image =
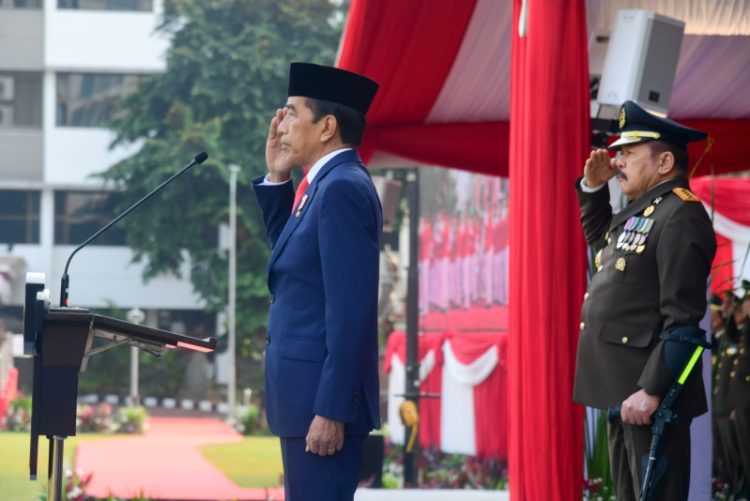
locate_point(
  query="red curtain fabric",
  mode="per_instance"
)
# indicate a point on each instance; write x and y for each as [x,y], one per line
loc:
[729,152]
[395,43]
[729,197]
[549,137]
[490,396]
[390,40]
[477,147]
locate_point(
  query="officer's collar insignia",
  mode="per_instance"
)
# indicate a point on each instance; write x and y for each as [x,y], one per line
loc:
[622,117]
[657,200]
[685,195]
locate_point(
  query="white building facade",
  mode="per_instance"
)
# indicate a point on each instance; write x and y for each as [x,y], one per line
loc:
[62,64]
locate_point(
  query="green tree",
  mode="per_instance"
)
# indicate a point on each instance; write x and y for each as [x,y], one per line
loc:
[226,74]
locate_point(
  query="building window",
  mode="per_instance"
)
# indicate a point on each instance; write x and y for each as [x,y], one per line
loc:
[88,99]
[80,214]
[131,5]
[19,217]
[20,99]
[21,4]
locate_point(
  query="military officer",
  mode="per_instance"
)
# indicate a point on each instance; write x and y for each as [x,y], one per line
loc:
[725,439]
[640,315]
[739,394]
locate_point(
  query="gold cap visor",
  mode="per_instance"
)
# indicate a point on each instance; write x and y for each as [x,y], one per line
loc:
[634,137]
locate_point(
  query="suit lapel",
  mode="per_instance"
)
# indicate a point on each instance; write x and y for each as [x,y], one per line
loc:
[638,205]
[294,220]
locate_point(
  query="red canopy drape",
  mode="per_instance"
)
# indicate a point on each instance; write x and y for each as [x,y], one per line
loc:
[549,94]
[410,48]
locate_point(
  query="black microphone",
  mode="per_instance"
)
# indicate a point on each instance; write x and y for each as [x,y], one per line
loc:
[65,281]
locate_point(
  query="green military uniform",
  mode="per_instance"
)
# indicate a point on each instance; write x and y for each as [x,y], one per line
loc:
[739,399]
[725,438]
[652,267]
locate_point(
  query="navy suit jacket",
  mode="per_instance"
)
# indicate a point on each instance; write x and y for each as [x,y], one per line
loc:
[322,352]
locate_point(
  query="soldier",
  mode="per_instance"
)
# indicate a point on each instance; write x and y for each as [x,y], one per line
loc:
[725,443]
[640,315]
[739,394]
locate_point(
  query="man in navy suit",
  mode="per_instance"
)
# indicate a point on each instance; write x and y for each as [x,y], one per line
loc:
[322,391]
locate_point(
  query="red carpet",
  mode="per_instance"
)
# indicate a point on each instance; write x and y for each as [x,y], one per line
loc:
[165,463]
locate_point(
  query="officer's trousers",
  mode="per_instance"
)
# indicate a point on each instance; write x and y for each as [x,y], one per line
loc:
[628,444]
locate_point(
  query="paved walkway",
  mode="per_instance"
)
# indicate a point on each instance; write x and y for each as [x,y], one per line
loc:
[165,463]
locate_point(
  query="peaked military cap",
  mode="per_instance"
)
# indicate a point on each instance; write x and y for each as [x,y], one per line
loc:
[639,126]
[332,84]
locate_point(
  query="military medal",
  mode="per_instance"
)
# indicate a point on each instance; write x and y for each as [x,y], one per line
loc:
[649,210]
[635,232]
[620,264]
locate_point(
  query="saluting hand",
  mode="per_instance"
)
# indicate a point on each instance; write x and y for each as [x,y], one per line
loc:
[325,436]
[639,407]
[277,160]
[599,168]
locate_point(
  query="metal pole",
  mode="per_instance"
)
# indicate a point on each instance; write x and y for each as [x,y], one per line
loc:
[231,307]
[412,324]
[135,316]
[135,399]
[55,478]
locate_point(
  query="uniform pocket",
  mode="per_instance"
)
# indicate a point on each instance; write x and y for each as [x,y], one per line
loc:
[624,334]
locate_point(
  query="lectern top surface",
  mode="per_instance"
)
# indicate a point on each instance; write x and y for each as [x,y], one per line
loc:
[134,331]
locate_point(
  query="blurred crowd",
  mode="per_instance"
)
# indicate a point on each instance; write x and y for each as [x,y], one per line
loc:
[731,391]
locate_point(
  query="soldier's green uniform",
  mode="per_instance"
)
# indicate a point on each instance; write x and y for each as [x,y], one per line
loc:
[725,437]
[652,267]
[726,455]
[739,399]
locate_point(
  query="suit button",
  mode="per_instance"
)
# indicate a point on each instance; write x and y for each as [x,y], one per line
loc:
[742,351]
[272,298]
[732,374]
[736,361]
[585,296]
[747,378]
[268,340]
[624,339]
[583,325]
[600,268]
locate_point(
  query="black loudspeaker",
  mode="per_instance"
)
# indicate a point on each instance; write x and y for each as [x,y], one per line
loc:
[641,60]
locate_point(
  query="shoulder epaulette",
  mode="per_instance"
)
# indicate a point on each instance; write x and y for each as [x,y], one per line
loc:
[686,195]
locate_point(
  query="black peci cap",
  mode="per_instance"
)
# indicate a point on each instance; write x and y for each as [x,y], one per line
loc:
[332,84]
[639,126]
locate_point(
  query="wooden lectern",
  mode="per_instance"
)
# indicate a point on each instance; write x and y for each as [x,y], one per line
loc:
[61,340]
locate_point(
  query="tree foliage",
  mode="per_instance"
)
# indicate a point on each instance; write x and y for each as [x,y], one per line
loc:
[226,73]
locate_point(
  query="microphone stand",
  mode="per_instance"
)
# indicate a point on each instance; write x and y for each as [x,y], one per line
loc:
[65,280]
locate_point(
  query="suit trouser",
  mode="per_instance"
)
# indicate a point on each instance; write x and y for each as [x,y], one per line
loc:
[628,444]
[309,477]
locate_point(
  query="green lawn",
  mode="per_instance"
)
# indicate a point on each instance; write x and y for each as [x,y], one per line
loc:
[14,464]
[254,462]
